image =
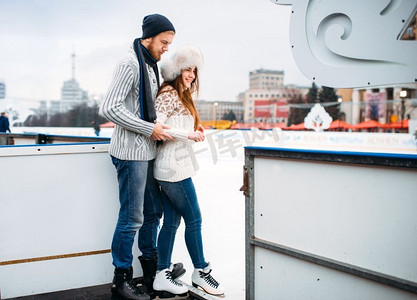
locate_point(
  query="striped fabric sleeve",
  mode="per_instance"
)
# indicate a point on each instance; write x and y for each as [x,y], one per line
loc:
[114,107]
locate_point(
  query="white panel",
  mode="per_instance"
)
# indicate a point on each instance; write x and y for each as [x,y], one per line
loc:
[54,275]
[60,200]
[57,199]
[361,215]
[282,277]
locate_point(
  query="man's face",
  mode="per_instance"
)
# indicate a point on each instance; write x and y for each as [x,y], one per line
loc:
[159,44]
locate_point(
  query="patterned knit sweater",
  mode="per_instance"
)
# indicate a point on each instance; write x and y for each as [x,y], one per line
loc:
[174,161]
[131,136]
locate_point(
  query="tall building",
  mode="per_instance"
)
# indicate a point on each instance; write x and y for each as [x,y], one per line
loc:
[265,79]
[267,96]
[71,92]
[2,90]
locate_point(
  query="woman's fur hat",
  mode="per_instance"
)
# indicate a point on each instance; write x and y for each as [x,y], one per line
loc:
[183,58]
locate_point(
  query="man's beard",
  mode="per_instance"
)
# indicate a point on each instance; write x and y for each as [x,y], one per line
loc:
[154,53]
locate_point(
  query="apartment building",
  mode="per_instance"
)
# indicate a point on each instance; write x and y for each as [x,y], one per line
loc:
[267,96]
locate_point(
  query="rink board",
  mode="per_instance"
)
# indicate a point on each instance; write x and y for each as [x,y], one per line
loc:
[57,218]
[330,225]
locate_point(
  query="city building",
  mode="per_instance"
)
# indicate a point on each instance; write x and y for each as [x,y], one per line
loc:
[265,79]
[2,90]
[385,104]
[218,110]
[43,107]
[267,96]
[71,93]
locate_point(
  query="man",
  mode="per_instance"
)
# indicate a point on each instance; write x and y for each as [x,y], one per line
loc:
[129,104]
[4,123]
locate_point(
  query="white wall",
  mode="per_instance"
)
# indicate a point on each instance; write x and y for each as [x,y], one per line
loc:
[56,200]
[343,212]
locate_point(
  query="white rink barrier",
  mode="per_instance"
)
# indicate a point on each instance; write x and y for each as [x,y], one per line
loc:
[330,224]
[57,217]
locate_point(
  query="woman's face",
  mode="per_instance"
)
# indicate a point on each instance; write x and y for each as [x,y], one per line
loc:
[188,76]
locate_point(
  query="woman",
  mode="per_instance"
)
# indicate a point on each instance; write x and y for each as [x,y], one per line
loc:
[173,170]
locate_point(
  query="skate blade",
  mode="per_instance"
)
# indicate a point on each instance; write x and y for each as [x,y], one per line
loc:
[211,296]
[200,293]
[163,295]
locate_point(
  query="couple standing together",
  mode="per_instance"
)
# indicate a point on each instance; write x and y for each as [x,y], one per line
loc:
[151,150]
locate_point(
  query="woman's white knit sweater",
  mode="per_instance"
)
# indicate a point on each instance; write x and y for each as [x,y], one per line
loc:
[175,159]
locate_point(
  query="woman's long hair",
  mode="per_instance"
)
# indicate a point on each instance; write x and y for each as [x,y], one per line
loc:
[186,95]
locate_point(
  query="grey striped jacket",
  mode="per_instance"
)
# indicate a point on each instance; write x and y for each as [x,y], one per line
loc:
[131,137]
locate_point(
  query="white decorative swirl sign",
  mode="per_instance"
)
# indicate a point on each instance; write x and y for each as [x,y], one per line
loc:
[317,119]
[354,43]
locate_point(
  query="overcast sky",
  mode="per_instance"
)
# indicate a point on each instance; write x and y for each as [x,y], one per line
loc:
[235,36]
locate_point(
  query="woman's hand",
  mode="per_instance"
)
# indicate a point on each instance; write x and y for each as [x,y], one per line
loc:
[196,136]
[200,128]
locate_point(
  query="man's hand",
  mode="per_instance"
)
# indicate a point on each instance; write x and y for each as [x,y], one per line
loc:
[159,133]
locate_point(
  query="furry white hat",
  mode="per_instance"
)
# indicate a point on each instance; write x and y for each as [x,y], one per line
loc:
[183,58]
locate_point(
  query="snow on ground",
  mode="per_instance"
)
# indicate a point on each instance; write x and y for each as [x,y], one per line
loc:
[223,208]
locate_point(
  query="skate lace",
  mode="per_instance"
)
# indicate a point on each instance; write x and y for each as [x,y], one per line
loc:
[168,275]
[131,286]
[209,279]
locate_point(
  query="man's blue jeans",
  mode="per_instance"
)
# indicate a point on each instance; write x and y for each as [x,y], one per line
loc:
[138,195]
[180,200]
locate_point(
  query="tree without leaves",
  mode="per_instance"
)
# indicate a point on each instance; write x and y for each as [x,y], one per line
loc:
[79,116]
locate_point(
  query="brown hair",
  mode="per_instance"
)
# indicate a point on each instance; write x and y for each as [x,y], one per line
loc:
[185,95]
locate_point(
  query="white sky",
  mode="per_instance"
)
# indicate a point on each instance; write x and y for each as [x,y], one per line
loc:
[235,36]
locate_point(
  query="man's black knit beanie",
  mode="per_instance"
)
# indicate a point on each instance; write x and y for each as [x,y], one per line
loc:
[153,25]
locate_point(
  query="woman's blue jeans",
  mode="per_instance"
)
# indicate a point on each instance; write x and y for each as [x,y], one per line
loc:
[180,200]
[140,207]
